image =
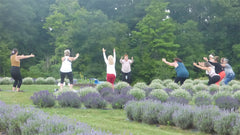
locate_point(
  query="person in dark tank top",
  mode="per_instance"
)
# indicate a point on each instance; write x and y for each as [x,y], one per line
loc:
[181,70]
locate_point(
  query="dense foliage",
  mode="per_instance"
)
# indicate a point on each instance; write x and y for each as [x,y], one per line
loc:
[147,30]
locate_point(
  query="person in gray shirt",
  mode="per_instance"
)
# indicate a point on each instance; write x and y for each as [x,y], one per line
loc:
[230,75]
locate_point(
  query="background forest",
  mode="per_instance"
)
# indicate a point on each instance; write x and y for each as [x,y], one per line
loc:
[148,30]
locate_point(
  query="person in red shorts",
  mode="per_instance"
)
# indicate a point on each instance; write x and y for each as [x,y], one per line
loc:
[110,62]
[218,67]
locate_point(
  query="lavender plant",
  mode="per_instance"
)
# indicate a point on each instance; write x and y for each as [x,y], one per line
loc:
[200,97]
[165,115]
[50,80]
[227,102]
[172,85]
[119,101]
[28,80]
[204,118]
[167,81]
[137,93]
[183,117]
[69,99]
[103,85]
[159,81]
[181,93]
[94,100]
[140,85]
[180,100]
[40,80]
[43,99]
[120,85]
[6,81]
[84,91]
[236,95]
[156,86]
[159,94]
[150,112]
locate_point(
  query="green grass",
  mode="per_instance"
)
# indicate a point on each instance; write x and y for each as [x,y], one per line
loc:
[114,121]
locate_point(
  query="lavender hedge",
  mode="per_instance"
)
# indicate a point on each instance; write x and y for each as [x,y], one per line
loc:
[69,99]
[43,99]
[30,121]
[209,119]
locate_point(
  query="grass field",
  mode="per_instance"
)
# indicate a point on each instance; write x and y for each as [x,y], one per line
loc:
[114,121]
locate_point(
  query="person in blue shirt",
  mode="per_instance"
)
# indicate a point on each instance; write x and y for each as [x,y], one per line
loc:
[181,70]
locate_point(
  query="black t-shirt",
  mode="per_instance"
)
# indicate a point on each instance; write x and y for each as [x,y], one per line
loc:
[218,67]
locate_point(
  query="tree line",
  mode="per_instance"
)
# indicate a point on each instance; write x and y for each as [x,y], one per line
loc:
[148,30]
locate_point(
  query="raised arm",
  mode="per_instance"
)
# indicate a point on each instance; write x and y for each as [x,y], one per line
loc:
[74,58]
[104,56]
[198,66]
[169,63]
[132,60]
[25,56]
[121,60]
[114,56]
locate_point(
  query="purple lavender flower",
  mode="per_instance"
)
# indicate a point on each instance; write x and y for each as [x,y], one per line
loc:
[227,102]
[94,100]
[69,99]
[43,99]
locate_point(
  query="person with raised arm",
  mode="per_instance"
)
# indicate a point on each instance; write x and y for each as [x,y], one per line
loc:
[66,68]
[218,67]
[213,76]
[126,68]
[15,68]
[181,70]
[110,62]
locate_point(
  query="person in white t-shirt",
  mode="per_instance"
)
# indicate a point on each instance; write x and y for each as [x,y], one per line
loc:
[126,68]
[66,68]
[110,62]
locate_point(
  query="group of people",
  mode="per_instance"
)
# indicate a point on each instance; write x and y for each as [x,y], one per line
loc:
[216,71]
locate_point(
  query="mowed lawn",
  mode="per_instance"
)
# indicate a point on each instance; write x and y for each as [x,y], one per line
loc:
[114,121]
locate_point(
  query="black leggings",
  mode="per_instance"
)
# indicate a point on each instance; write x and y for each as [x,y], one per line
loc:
[180,79]
[16,75]
[213,79]
[126,77]
[69,75]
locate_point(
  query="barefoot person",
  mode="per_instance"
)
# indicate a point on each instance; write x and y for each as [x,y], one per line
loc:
[15,68]
[230,75]
[218,67]
[110,62]
[126,68]
[213,76]
[182,72]
[66,68]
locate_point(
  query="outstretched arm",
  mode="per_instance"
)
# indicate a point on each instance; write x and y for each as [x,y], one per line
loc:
[25,56]
[121,59]
[74,58]
[104,55]
[198,66]
[132,60]
[169,63]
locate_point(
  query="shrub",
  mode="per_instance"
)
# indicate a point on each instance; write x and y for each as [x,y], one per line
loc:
[224,123]
[69,99]
[235,87]
[104,92]
[187,86]
[40,80]
[225,88]
[137,93]
[201,95]
[168,90]
[200,87]
[140,85]
[120,85]
[50,80]
[221,94]
[103,85]
[6,81]
[119,101]
[180,100]
[147,91]
[190,81]
[84,91]
[28,80]
[43,99]
[181,93]
[196,82]
[204,118]
[156,86]
[165,115]
[157,81]
[213,89]
[236,127]
[167,81]
[129,109]
[159,94]
[124,91]
[236,95]
[231,83]
[199,101]
[183,117]
[150,112]
[172,86]
[94,100]
[227,102]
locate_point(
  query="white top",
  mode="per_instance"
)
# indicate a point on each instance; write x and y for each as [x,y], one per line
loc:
[66,65]
[126,65]
[110,68]
[212,72]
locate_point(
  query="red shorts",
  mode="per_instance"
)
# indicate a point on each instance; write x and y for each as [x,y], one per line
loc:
[222,75]
[111,78]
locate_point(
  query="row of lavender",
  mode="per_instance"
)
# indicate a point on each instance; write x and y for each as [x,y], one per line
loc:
[17,120]
[193,92]
[208,119]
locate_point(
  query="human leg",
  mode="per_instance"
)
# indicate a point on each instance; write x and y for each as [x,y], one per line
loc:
[177,79]
[70,77]
[182,80]
[111,78]
[222,75]
[62,75]
[14,74]
[213,79]
[228,78]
